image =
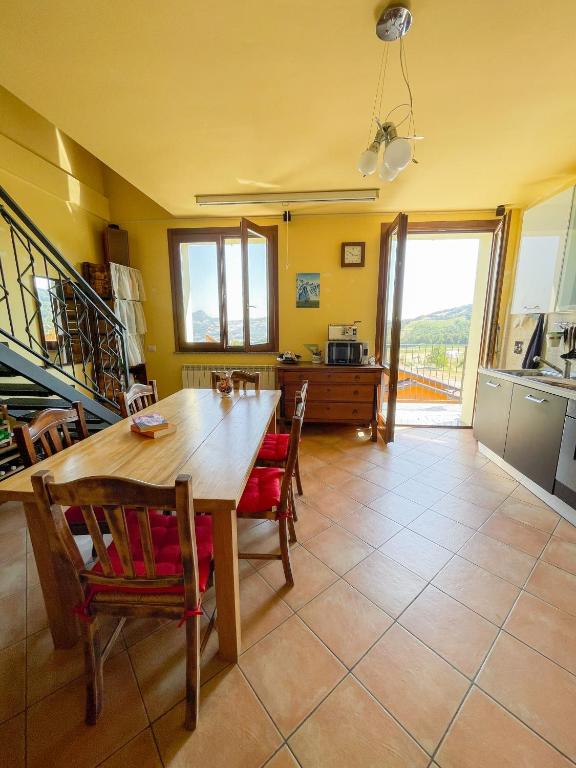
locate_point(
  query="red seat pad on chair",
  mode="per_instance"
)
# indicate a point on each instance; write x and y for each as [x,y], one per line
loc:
[262,491]
[74,515]
[274,447]
[167,557]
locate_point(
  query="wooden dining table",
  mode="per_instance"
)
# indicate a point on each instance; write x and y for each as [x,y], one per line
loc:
[216,441]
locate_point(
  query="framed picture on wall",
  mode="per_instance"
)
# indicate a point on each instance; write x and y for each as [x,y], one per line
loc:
[308,290]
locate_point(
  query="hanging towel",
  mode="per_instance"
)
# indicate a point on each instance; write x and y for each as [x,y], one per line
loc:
[534,345]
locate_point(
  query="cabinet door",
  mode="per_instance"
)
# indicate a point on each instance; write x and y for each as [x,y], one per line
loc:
[535,433]
[542,243]
[493,399]
[567,292]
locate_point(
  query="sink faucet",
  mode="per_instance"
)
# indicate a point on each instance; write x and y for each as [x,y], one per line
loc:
[567,365]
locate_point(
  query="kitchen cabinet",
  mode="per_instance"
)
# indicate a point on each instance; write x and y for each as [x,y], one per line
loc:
[493,398]
[541,255]
[567,292]
[534,434]
[346,394]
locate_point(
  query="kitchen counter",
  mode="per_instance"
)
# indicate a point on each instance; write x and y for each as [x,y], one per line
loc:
[533,379]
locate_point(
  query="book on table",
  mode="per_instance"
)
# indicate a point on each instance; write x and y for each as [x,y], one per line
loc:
[149,422]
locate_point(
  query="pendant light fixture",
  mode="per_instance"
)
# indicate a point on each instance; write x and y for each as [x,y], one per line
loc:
[393,24]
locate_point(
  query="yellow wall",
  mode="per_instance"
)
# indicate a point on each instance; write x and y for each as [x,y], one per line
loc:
[312,245]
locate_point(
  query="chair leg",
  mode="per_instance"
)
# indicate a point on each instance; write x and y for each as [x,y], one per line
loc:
[285,551]
[93,671]
[292,531]
[192,672]
[293,504]
[298,480]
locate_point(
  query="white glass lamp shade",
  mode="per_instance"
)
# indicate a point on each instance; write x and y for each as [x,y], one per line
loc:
[387,173]
[398,154]
[368,162]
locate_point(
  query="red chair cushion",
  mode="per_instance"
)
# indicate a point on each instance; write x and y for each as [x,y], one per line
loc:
[74,515]
[274,447]
[262,491]
[167,556]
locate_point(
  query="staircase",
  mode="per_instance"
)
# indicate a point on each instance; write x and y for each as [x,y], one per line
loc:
[59,341]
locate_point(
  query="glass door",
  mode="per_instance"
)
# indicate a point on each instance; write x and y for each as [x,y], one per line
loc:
[389,313]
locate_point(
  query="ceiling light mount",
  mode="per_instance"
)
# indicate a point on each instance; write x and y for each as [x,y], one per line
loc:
[394,23]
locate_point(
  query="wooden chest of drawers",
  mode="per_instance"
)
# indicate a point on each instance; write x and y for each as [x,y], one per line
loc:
[335,394]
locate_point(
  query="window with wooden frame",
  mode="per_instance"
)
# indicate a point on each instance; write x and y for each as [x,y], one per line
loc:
[225,288]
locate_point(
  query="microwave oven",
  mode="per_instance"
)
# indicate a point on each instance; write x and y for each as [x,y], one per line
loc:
[346,353]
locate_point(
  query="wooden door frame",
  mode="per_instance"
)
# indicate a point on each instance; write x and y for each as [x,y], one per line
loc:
[490,326]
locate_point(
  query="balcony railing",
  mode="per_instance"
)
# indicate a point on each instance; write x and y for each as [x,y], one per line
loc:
[431,372]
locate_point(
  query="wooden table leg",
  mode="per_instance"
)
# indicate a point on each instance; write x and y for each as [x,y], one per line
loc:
[227,583]
[55,585]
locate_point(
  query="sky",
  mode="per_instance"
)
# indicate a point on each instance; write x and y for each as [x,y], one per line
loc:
[438,274]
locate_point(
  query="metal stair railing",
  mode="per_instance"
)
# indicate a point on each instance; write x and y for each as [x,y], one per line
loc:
[49,310]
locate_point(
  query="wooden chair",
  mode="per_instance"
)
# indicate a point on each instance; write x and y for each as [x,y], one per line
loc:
[156,566]
[139,396]
[274,449]
[244,377]
[268,496]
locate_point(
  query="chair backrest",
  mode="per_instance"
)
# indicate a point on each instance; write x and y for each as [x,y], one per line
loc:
[127,505]
[293,446]
[139,396]
[301,396]
[49,432]
[244,377]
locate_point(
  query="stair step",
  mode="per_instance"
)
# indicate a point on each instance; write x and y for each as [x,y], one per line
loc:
[22,388]
[37,403]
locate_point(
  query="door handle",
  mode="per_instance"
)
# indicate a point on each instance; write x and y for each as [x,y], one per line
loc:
[535,399]
[492,384]
[531,306]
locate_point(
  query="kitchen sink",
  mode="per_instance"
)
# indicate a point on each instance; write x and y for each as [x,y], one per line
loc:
[557,382]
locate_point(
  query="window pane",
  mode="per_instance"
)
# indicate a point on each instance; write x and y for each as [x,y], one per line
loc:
[258,289]
[234,292]
[200,295]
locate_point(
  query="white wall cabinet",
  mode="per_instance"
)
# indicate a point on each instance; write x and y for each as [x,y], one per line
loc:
[541,256]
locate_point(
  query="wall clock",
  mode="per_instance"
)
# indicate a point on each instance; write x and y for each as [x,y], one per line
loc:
[353,254]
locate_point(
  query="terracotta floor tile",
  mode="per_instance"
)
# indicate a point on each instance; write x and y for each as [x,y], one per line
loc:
[471,459]
[386,583]
[384,477]
[498,558]
[419,688]
[328,453]
[310,485]
[484,735]
[310,463]
[282,759]
[66,739]
[397,508]
[349,729]
[310,522]
[356,465]
[12,575]
[259,538]
[561,553]
[477,494]
[437,479]
[261,609]
[339,607]
[538,517]
[12,680]
[159,663]
[141,752]
[137,629]
[370,526]
[230,717]
[544,628]
[459,635]
[480,590]
[420,458]
[333,503]
[399,465]
[311,577]
[565,530]
[462,511]
[12,545]
[504,485]
[333,475]
[32,577]
[420,493]
[442,530]
[519,535]
[525,495]
[291,672]
[36,617]
[554,586]
[338,549]
[420,555]
[13,741]
[451,467]
[12,517]
[537,691]
[362,490]
[13,618]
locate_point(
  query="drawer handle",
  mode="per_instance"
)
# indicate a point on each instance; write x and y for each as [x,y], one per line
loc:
[493,384]
[531,306]
[533,399]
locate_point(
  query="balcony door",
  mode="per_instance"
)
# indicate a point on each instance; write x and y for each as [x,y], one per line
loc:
[389,314]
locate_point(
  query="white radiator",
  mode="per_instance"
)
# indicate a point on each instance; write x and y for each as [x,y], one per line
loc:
[198,376]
